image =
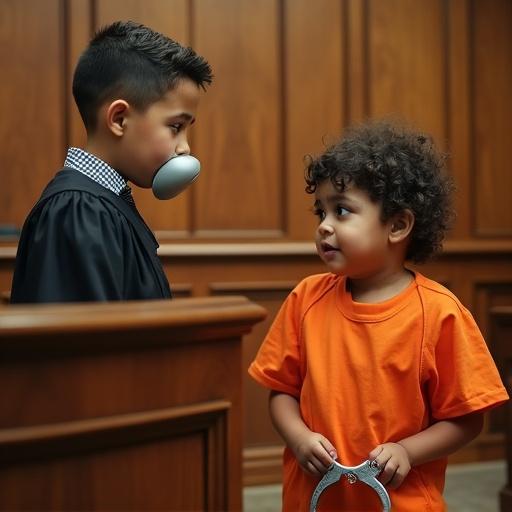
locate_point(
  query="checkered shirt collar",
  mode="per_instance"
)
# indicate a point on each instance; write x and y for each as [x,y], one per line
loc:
[96,169]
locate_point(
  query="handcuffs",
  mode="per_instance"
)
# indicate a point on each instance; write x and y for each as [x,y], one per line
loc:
[366,472]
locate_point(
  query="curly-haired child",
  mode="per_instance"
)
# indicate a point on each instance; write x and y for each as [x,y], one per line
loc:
[372,360]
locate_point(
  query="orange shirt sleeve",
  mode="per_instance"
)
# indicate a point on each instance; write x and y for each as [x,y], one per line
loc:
[459,371]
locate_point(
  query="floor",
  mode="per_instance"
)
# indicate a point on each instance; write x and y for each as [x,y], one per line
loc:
[469,488]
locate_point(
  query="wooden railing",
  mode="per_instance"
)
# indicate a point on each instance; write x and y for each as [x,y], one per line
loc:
[501,338]
[123,406]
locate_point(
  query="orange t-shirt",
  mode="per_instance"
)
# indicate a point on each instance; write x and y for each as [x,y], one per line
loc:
[366,374]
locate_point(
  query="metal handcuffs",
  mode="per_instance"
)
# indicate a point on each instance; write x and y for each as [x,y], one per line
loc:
[366,472]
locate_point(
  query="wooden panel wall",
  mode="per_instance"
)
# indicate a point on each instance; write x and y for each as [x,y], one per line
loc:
[289,76]
[501,333]
[32,102]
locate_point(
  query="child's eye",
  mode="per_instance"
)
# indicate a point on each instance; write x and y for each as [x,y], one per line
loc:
[340,211]
[319,213]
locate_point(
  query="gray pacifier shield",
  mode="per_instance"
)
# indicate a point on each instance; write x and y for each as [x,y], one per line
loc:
[175,176]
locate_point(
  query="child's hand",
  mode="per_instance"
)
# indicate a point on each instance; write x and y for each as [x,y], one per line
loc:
[394,461]
[314,453]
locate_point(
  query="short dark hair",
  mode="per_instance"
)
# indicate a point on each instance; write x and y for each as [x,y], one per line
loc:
[131,61]
[400,169]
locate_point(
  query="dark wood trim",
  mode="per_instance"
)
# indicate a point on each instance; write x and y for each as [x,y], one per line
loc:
[69,438]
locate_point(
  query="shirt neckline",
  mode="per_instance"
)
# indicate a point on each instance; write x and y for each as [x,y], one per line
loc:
[372,312]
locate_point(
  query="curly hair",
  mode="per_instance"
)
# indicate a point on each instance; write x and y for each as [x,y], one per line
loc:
[399,169]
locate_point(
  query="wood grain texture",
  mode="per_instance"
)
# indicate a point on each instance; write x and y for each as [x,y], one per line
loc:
[240,139]
[314,65]
[490,79]
[406,59]
[31,102]
[140,414]
[289,76]
[501,333]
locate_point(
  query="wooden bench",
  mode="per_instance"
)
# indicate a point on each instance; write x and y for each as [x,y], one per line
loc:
[123,406]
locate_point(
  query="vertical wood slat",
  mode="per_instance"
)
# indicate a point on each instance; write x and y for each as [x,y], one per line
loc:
[492,79]
[459,112]
[239,138]
[357,55]
[407,54]
[79,26]
[31,102]
[170,17]
[314,92]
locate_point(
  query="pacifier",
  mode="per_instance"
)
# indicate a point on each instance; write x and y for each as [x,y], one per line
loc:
[175,175]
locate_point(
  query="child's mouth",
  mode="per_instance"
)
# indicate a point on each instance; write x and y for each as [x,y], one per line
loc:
[329,251]
[328,248]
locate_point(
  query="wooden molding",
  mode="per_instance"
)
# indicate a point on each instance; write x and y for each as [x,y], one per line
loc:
[263,465]
[67,438]
[291,248]
[244,287]
[21,326]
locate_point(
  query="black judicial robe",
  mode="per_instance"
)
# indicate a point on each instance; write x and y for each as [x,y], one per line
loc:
[82,242]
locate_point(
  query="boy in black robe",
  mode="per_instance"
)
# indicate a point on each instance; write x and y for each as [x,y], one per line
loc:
[137,92]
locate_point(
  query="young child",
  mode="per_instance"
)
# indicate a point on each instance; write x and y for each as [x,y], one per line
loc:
[371,360]
[137,92]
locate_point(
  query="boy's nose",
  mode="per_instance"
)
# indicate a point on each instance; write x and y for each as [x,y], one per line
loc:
[183,148]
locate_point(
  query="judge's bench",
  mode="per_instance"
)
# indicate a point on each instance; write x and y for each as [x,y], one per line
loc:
[123,406]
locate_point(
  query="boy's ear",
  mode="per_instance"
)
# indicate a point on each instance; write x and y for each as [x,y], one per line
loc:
[401,226]
[116,115]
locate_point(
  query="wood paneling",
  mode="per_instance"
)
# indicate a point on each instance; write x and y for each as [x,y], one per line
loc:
[407,63]
[171,17]
[90,460]
[355,37]
[79,29]
[32,102]
[289,76]
[240,140]
[491,79]
[459,112]
[314,69]
[488,295]
[501,334]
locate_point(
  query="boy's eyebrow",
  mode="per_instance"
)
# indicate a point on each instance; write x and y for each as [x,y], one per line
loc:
[186,116]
